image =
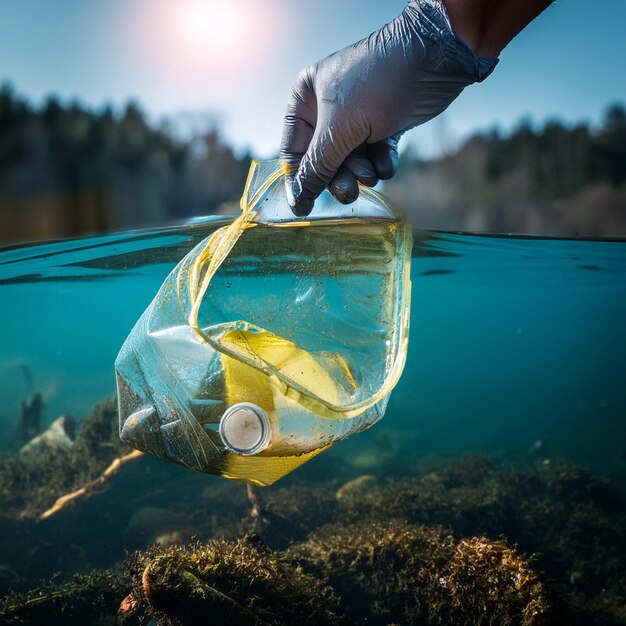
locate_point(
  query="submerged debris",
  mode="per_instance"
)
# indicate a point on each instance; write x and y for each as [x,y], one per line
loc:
[60,434]
[356,486]
[31,413]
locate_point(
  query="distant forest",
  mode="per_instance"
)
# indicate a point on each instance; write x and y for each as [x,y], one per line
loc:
[554,179]
[67,170]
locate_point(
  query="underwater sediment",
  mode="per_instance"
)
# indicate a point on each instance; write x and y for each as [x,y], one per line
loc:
[466,542]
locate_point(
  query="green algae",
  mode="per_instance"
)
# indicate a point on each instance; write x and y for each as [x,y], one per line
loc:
[467,542]
[221,580]
[80,601]
[379,573]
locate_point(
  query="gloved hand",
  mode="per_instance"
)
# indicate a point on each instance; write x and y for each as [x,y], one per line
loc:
[346,113]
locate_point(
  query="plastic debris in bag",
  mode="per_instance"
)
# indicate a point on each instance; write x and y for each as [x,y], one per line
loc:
[273,338]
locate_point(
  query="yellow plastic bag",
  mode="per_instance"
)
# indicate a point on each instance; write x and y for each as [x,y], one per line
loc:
[273,338]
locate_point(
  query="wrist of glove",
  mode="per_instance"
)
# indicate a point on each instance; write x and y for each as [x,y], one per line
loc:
[346,113]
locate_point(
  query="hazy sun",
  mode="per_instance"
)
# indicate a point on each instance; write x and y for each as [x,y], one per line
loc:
[213,25]
[194,40]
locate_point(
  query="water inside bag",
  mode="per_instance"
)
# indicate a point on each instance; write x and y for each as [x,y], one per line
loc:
[272,339]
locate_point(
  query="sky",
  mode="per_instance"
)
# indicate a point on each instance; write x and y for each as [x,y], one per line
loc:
[232,62]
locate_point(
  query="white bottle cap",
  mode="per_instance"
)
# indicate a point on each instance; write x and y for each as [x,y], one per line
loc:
[245,429]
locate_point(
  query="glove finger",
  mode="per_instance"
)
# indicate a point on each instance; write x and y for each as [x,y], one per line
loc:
[344,185]
[325,155]
[297,135]
[298,125]
[362,169]
[384,156]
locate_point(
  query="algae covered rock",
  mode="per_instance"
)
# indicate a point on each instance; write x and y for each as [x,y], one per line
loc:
[228,582]
[380,573]
[383,573]
[486,582]
[395,572]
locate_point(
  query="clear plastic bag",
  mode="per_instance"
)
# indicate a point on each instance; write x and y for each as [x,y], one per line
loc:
[273,338]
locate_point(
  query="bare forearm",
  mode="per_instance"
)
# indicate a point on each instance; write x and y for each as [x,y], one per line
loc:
[487,26]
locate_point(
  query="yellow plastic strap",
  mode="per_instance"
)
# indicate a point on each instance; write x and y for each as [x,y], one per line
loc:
[219,245]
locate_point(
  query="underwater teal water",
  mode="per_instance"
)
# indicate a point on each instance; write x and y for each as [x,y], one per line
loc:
[517,345]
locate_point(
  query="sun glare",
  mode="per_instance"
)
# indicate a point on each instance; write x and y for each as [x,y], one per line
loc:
[193,53]
[212,25]
[197,41]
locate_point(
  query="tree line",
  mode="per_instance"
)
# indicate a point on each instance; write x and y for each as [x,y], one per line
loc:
[66,170]
[551,179]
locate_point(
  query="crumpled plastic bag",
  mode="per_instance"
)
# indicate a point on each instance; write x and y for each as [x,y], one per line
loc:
[273,338]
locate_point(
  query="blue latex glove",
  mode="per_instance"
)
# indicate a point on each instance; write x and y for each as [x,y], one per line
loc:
[346,113]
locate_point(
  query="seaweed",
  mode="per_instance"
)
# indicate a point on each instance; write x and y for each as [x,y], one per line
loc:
[30,485]
[394,572]
[489,583]
[383,573]
[239,582]
[572,520]
[378,573]
[80,601]
[466,542]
